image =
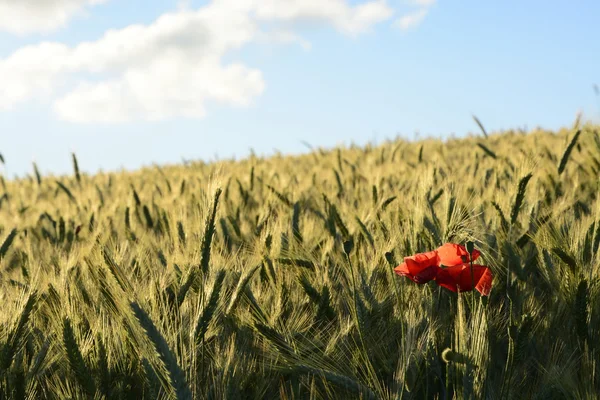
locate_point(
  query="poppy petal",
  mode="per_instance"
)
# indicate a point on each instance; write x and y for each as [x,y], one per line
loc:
[426,275]
[402,269]
[485,282]
[448,277]
[420,268]
[458,278]
[429,257]
[451,254]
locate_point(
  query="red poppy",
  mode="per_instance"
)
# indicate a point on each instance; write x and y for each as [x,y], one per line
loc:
[458,278]
[452,254]
[420,268]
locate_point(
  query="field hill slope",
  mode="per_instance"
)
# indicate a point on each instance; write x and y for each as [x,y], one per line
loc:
[274,277]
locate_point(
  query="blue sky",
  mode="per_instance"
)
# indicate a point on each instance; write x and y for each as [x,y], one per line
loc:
[216,78]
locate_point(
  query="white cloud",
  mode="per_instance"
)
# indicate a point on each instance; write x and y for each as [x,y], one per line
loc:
[174,66]
[31,70]
[347,19]
[284,37]
[412,19]
[423,3]
[415,17]
[28,16]
[166,88]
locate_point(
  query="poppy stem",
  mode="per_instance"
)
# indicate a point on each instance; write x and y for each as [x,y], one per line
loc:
[471,249]
[472,276]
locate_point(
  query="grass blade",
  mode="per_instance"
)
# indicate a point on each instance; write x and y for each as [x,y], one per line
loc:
[76,362]
[487,151]
[7,243]
[67,191]
[17,335]
[209,231]
[519,198]
[480,125]
[176,374]
[210,308]
[76,169]
[565,157]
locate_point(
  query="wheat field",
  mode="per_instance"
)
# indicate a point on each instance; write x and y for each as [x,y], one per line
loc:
[273,278]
